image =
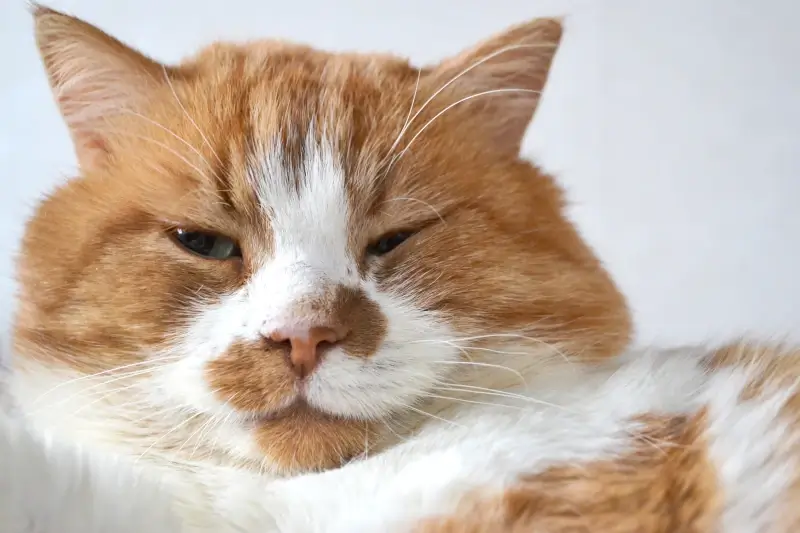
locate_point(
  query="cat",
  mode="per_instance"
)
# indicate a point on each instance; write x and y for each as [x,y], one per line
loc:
[311,292]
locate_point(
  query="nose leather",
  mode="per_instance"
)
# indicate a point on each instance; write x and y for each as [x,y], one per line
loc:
[306,352]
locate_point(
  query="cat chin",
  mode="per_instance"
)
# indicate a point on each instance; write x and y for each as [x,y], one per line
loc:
[297,408]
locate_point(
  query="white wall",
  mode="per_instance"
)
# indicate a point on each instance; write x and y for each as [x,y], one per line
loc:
[674,124]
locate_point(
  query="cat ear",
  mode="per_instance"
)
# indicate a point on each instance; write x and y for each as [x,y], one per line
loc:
[498,83]
[93,76]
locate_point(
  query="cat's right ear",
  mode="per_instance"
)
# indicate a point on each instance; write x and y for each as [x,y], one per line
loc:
[93,76]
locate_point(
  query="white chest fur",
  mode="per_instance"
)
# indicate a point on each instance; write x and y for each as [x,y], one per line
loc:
[570,416]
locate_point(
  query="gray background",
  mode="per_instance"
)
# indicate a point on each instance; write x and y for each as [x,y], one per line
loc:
[674,125]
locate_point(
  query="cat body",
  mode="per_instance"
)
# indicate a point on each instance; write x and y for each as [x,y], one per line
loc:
[706,427]
[309,292]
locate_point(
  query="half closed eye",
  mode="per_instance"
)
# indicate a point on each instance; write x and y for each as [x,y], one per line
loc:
[208,245]
[388,242]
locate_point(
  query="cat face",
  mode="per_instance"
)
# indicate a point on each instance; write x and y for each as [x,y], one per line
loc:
[300,245]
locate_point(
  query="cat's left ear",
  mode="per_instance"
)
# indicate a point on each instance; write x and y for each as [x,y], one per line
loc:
[93,77]
[498,83]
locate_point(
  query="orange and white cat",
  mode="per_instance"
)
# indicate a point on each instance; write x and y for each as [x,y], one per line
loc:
[298,291]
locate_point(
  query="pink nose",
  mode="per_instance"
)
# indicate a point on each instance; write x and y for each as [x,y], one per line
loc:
[305,351]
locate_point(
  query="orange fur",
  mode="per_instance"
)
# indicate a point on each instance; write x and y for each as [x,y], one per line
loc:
[666,484]
[102,281]
[773,368]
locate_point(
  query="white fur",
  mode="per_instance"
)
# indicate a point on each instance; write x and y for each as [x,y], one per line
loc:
[748,447]
[572,414]
[54,488]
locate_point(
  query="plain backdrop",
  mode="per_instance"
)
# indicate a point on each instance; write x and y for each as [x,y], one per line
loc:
[674,125]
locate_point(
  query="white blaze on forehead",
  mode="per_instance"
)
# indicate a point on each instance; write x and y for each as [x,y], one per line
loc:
[308,212]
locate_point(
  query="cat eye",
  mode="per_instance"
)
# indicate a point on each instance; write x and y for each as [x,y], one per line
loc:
[206,244]
[388,242]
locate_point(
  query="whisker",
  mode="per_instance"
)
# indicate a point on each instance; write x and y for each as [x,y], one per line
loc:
[475,402]
[484,390]
[188,116]
[420,411]
[167,130]
[168,149]
[500,394]
[486,365]
[366,440]
[81,392]
[162,437]
[492,350]
[118,408]
[211,424]
[462,73]
[219,422]
[224,421]
[478,337]
[103,397]
[408,116]
[421,202]
[449,107]
[195,432]
[90,376]
[151,415]
[162,145]
[550,346]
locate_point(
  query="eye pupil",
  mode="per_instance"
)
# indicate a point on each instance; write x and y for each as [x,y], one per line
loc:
[207,244]
[198,242]
[387,243]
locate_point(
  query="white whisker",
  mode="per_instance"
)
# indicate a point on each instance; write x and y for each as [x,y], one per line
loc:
[101,398]
[501,394]
[115,379]
[486,365]
[459,75]
[168,149]
[188,116]
[101,373]
[169,131]
[409,199]
[162,437]
[420,411]
[218,422]
[200,428]
[224,421]
[475,402]
[449,107]
[408,116]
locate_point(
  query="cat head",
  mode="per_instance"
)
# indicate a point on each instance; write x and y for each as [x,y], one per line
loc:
[297,245]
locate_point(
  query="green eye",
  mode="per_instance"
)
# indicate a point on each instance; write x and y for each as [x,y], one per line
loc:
[388,242]
[207,244]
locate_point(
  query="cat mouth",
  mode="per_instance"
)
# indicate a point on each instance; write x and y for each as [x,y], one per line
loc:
[298,408]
